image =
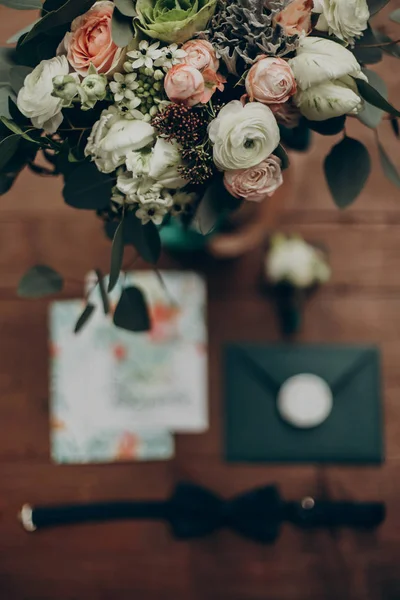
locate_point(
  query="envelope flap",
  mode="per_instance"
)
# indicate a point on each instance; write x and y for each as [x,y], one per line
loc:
[335,364]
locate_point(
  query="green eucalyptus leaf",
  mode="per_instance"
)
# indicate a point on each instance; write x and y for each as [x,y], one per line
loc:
[216,203]
[388,167]
[395,15]
[131,312]
[281,153]
[103,292]
[17,76]
[17,129]
[22,4]
[347,169]
[371,116]
[40,281]
[86,188]
[62,16]
[8,147]
[84,317]
[329,127]
[376,5]
[117,256]
[371,95]
[14,38]
[122,30]
[144,238]
[395,126]
[5,94]
[389,46]
[365,49]
[126,7]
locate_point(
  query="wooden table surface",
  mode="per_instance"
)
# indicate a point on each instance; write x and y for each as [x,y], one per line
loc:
[122,561]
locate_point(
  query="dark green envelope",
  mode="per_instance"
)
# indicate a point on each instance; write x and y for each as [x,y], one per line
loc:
[254,430]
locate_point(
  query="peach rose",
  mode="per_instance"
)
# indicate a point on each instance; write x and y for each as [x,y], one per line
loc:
[213,81]
[255,183]
[90,41]
[201,55]
[270,81]
[296,17]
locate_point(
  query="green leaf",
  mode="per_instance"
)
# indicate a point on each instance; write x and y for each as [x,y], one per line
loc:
[376,5]
[84,317]
[393,49]
[395,15]
[8,147]
[347,169]
[17,76]
[365,49]
[122,30]
[214,206]
[17,129]
[126,7]
[395,126]
[329,127]
[62,16]
[372,96]
[14,38]
[144,238]
[117,256]
[131,312]
[103,292]
[40,281]
[388,167]
[22,4]
[88,189]
[281,153]
[371,116]
[5,94]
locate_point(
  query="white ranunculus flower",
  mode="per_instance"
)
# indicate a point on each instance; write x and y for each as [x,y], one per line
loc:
[164,163]
[329,99]
[294,261]
[243,136]
[138,163]
[35,99]
[318,60]
[113,137]
[346,19]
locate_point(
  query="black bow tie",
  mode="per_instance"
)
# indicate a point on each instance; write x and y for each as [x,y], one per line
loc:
[194,511]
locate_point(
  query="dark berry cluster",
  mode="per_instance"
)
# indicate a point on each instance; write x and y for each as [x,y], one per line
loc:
[188,126]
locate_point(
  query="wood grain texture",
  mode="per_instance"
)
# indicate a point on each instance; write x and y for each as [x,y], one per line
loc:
[140,560]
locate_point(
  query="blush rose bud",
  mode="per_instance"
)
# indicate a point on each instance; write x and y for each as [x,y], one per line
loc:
[270,81]
[256,183]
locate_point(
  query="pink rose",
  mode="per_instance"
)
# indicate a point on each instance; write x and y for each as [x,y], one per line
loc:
[255,183]
[296,17]
[184,85]
[90,41]
[201,55]
[270,81]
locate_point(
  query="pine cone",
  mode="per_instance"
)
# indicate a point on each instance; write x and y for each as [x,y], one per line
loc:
[244,29]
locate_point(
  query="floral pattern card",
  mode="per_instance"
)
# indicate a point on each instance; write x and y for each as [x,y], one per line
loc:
[118,395]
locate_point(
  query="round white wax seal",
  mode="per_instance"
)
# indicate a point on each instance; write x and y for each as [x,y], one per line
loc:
[305,400]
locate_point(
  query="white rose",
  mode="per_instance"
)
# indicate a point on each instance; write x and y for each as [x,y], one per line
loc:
[294,261]
[318,60]
[346,19]
[330,99]
[164,163]
[113,137]
[243,136]
[35,99]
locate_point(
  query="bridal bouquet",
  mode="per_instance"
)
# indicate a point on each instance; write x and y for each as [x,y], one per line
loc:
[154,110]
